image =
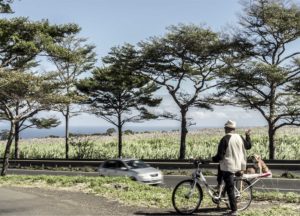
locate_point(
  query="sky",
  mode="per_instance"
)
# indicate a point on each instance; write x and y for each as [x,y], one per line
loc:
[108,23]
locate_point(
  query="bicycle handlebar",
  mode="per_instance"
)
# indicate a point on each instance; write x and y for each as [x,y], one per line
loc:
[198,161]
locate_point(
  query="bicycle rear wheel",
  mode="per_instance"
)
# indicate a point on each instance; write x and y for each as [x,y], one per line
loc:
[243,193]
[187,197]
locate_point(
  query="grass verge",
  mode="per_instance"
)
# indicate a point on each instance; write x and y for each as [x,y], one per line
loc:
[129,192]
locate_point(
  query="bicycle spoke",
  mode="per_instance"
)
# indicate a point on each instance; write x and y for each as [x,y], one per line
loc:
[243,194]
[186,197]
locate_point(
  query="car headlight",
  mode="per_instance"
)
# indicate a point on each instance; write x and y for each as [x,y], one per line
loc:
[143,175]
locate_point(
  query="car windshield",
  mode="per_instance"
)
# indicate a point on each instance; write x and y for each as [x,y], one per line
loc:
[137,164]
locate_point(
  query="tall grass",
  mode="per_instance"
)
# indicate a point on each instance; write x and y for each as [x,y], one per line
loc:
[163,145]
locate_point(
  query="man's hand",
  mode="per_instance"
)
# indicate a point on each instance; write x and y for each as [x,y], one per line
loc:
[248,132]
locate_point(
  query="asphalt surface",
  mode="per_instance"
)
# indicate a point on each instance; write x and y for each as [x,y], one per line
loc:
[267,184]
[42,202]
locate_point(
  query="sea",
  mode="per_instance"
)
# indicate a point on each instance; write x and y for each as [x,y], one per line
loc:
[60,131]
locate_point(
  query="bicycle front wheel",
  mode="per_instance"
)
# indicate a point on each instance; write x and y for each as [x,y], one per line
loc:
[187,197]
[243,193]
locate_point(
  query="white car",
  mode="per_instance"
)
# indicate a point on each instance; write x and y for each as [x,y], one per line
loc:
[135,169]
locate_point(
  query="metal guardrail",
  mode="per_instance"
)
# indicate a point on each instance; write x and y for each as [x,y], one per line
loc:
[162,164]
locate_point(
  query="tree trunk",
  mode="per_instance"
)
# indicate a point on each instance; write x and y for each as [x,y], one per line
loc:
[183,134]
[119,137]
[67,134]
[7,149]
[17,138]
[120,142]
[271,142]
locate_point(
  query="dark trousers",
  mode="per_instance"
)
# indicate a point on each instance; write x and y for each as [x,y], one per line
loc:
[228,178]
[219,175]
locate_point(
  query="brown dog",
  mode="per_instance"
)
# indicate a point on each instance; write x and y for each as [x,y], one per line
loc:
[259,164]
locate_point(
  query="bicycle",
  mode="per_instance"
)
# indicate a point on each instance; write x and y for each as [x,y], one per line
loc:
[188,194]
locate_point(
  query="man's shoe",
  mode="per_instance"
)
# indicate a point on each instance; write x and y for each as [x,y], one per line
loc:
[233,213]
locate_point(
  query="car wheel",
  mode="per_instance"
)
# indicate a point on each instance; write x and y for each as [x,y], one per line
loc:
[133,178]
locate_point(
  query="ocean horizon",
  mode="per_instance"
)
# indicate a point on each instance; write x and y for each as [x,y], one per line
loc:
[60,131]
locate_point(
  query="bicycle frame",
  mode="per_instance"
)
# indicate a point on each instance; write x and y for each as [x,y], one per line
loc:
[254,178]
[199,178]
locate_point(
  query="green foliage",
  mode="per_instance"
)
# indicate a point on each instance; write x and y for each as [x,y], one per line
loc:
[44,123]
[83,147]
[273,211]
[72,58]
[288,174]
[115,89]
[188,55]
[263,81]
[26,87]
[158,145]
[22,40]
[5,6]
[116,94]
[110,131]
[128,132]
[277,196]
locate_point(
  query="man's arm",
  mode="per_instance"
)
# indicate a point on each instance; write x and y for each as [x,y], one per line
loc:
[247,142]
[221,149]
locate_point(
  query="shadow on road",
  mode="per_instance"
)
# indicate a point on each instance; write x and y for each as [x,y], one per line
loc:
[202,211]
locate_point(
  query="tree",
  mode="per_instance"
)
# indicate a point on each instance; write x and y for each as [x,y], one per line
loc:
[21,41]
[72,59]
[116,94]
[185,62]
[263,82]
[5,6]
[33,93]
[110,131]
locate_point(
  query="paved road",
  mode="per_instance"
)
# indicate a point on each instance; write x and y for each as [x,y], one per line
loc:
[268,184]
[42,202]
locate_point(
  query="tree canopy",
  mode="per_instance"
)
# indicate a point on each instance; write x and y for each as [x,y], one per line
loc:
[185,61]
[116,94]
[22,40]
[5,6]
[72,58]
[33,93]
[262,82]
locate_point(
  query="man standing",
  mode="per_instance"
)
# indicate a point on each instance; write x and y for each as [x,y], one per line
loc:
[232,158]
